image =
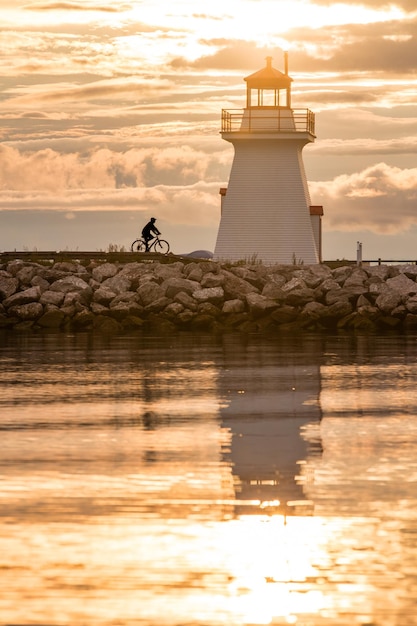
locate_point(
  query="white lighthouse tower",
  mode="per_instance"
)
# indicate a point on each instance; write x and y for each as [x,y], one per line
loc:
[266,212]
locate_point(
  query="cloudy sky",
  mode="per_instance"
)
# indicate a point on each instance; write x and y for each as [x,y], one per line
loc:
[110,113]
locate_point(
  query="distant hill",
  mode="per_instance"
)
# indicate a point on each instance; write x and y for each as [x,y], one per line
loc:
[199,254]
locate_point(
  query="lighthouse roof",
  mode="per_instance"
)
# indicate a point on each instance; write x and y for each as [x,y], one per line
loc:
[268,78]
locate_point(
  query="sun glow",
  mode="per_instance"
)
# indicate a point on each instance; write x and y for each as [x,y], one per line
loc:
[270,557]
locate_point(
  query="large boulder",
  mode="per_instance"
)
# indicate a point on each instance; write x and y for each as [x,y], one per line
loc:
[172,286]
[30,311]
[210,294]
[52,297]
[388,300]
[403,285]
[212,280]
[236,287]
[103,295]
[73,284]
[117,284]
[104,271]
[53,318]
[260,305]
[149,291]
[8,285]
[233,306]
[22,297]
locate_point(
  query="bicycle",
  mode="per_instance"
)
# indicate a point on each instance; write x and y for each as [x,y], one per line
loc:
[158,245]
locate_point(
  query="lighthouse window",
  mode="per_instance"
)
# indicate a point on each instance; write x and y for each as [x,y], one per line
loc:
[266,98]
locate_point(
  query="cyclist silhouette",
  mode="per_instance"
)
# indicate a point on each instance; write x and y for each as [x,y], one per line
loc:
[148,230]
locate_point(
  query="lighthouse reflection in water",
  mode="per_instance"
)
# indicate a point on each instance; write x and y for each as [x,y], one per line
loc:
[208,481]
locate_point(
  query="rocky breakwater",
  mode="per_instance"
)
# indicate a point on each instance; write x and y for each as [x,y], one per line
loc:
[205,295]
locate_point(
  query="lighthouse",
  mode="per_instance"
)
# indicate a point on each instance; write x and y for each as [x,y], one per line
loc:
[266,213]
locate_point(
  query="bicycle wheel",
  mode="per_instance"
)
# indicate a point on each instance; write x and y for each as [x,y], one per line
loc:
[161,246]
[138,246]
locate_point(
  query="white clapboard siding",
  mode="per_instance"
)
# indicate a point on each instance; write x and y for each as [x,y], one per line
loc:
[265,212]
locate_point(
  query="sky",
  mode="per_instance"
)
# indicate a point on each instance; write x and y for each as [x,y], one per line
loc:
[110,114]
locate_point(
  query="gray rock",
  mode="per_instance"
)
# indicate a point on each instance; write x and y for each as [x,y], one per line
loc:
[272,291]
[99,309]
[158,305]
[117,284]
[71,283]
[339,309]
[106,325]
[399,311]
[362,301]
[367,310]
[120,310]
[128,296]
[52,297]
[357,278]
[174,285]
[136,273]
[299,297]
[13,267]
[75,298]
[411,305]
[259,305]
[402,285]
[376,288]
[8,285]
[294,284]
[38,281]
[235,287]
[52,319]
[233,306]
[211,294]
[388,300]
[22,297]
[193,271]
[329,284]
[336,295]
[212,280]
[314,310]
[26,274]
[210,266]
[83,319]
[277,280]
[378,271]
[208,308]
[173,310]
[148,292]
[186,301]
[186,317]
[30,311]
[129,308]
[340,274]
[255,275]
[104,271]
[173,270]
[284,314]
[313,276]
[409,270]
[103,296]
[68,267]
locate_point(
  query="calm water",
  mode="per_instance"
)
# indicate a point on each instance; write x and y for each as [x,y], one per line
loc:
[195,481]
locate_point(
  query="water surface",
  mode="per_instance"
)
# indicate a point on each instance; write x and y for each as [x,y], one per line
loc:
[192,480]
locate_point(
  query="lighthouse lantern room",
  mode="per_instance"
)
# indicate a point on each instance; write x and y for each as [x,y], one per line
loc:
[265,210]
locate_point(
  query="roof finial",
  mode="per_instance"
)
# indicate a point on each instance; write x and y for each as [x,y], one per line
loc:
[268,62]
[286,62]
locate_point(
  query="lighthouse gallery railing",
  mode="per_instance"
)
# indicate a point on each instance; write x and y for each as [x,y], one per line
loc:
[264,120]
